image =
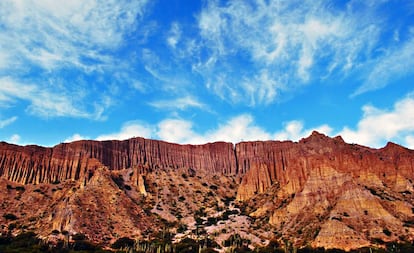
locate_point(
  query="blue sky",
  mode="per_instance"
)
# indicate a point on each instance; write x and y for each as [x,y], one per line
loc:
[201,71]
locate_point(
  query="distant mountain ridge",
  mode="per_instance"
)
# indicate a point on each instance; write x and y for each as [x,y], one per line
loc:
[319,191]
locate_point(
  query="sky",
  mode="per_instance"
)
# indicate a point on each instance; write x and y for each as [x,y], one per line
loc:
[188,71]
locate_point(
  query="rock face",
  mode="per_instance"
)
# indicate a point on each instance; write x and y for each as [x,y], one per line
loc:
[330,193]
[290,163]
[33,164]
[319,191]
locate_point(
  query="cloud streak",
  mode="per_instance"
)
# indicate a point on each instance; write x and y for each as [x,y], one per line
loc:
[6,122]
[390,67]
[181,103]
[47,103]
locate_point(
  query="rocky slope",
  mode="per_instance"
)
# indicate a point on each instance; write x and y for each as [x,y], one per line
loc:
[319,191]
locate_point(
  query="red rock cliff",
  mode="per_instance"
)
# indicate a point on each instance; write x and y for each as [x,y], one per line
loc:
[319,191]
[261,163]
[34,164]
[290,163]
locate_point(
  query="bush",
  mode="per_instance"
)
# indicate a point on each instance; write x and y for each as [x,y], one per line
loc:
[123,242]
[84,245]
[10,216]
[24,240]
[213,187]
[211,221]
[386,232]
[235,240]
[187,245]
[20,188]
[78,237]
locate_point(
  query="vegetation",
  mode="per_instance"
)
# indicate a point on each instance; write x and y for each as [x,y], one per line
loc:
[10,216]
[30,243]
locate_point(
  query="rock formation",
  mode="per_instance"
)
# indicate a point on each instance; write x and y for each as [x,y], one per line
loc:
[319,191]
[34,164]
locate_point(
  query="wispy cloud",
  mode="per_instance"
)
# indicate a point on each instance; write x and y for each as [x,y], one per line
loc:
[52,34]
[49,49]
[48,103]
[6,122]
[174,35]
[181,103]
[256,50]
[390,67]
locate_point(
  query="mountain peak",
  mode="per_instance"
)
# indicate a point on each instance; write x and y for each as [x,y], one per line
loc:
[315,136]
[391,146]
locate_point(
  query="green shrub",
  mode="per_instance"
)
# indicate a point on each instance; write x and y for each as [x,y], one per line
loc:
[10,216]
[123,242]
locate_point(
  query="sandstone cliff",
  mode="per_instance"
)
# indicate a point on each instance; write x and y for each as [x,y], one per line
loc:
[290,163]
[319,191]
[34,164]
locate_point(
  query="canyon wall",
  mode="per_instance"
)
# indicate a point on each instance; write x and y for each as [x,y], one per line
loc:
[319,191]
[290,163]
[34,164]
[260,163]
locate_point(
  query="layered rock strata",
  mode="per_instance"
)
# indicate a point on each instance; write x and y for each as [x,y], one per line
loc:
[261,163]
[290,163]
[319,191]
[34,164]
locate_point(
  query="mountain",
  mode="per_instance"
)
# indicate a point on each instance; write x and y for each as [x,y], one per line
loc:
[318,192]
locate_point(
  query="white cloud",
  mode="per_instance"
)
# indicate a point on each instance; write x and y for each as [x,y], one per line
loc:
[240,128]
[181,103]
[294,130]
[50,50]
[6,122]
[174,35]
[76,137]
[409,141]
[138,86]
[236,129]
[378,126]
[177,131]
[52,34]
[48,103]
[129,129]
[390,67]
[15,139]
[374,129]
[287,40]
